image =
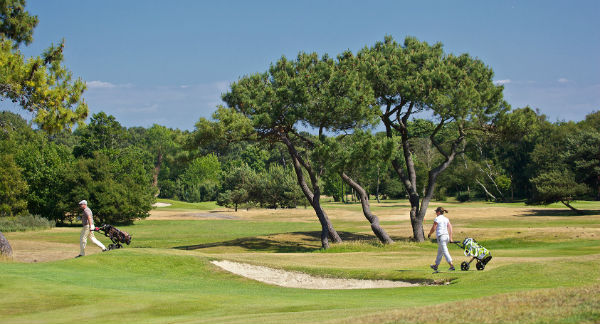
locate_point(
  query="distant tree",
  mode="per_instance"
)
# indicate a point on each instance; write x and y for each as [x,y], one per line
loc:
[104,133]
[511,147]
[200,181]
[566,159]
[13,126]
[557,186]
[416,79]
[39,84]
[276,187]
[117,191]
[236,184]
[160,141]
[584,146]
[13,188]
[45,165]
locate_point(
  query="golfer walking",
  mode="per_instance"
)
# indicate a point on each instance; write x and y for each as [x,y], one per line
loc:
[443,231]
[87,220]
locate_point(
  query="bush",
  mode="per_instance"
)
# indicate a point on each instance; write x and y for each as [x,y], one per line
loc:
[441,194]
[24,223]
[463,196]
[117,191]
[168,189]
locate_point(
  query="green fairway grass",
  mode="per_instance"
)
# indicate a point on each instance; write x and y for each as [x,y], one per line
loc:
[182,205]
[165,275]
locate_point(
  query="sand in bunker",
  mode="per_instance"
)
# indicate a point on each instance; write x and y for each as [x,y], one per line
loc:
[292,279]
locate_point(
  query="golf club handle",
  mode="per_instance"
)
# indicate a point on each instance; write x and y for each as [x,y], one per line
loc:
[459,244]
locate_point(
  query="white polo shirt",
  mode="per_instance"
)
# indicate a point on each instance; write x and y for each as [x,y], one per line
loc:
[442,225]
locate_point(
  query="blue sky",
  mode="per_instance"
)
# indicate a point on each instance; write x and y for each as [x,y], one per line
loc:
[167,62]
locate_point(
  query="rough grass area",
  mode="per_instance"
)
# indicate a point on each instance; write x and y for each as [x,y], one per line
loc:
[23,223]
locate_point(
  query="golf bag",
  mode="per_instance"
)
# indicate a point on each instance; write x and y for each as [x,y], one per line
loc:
[476,251]
[115,235]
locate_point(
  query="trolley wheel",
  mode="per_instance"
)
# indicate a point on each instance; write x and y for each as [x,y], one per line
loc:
[480,266]
[111,247]
[464,266]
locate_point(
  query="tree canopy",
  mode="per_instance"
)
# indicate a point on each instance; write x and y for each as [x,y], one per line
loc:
[41,85]
[454,91]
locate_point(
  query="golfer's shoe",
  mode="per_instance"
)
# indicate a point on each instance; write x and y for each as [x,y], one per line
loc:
[78,256]
[451,268]
[434,267]
[104,250]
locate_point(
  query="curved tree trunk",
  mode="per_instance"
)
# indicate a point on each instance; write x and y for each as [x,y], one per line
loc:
[5,249]
[416,213]
[327,230]
[409,176]
[372,218]
[575,210]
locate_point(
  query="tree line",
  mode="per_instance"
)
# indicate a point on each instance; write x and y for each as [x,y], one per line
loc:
[393,120]
[121,170]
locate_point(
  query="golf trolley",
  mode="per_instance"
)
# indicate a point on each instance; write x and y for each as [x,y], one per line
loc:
[476,251]
[115,235]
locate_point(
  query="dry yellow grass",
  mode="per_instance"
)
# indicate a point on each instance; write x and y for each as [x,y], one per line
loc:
[582,305]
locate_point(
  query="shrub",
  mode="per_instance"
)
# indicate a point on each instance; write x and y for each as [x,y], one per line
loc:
[463,196]
[25,222]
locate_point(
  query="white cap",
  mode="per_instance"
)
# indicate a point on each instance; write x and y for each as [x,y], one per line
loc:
[83,202]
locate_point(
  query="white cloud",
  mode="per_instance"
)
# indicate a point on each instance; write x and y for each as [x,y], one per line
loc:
[563,80]
[501,82]
[100,85]
[176,106]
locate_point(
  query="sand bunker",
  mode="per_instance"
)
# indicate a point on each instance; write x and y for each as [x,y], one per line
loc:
[159,204]
[292,279]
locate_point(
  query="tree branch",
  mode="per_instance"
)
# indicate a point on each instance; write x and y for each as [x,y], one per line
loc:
[434,142]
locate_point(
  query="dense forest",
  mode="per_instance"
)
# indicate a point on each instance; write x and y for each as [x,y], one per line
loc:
[391,121]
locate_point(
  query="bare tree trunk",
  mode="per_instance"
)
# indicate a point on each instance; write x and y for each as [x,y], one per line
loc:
[156,172]
[327,230]
[577,211]
[343,193]
[5,249]
[598,185]
[372,218]
[485,189]
[415,202]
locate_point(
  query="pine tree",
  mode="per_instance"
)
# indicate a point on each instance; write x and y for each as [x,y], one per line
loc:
[41,85]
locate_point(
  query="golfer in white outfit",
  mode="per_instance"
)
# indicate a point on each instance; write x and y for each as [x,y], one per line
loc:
[87,220]
[443,231]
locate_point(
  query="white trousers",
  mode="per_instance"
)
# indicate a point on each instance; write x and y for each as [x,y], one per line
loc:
[443,249]
[85,232]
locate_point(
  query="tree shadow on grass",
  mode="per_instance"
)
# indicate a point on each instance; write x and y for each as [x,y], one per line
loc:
[559,213]
[295,242]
